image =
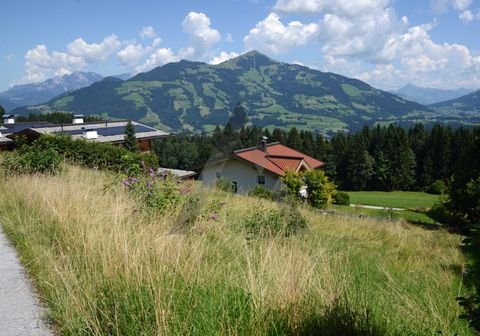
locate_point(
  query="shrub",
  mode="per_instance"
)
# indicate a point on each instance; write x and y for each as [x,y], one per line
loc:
[33,161]
[157,194]
[293,182]
[264,222]
[320,189]
[341,198]
[97,155]
[224,185]
[261,192]
[438,187]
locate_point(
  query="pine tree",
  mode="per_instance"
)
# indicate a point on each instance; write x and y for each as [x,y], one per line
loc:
[130,139]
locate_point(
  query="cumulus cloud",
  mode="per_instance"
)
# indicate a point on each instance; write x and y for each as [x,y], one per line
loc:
[273,37]
[340,7]
[159,57]
[131,54]
[417,58]
[148,32]
[202,36]
[461,6]
[94,52]
[223,56]
[40,63]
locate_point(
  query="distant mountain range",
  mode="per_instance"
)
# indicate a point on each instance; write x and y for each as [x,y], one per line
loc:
[428,96]
[194,96]
[36,93]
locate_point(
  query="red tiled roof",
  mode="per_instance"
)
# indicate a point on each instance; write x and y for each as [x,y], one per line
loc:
[286,163]
[278,158]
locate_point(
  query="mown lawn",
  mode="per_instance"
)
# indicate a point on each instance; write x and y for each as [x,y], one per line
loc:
[105,268]
[394,199]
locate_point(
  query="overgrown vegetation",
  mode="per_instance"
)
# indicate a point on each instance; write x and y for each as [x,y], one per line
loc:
[92,154]
[105,268]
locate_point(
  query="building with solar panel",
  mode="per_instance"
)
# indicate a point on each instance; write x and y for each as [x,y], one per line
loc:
[100,131]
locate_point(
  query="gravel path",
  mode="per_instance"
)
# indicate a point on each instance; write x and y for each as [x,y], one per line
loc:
[20,311]
[375,207]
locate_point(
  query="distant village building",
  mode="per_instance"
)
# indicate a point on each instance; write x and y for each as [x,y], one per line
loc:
[263,165]
[100,131]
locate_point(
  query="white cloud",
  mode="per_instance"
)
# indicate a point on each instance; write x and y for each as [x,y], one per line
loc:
[461,6]
[273,37]
[466,16]
[94,52]
[346,8]
[9,57]
[159,57]
[131,54]
[223,56]
[148,32]
[202,36]
[39,63]
[420,60]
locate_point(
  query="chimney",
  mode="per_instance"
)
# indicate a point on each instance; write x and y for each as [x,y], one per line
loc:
[263,144]
[78,119]
[8,119]
[90,134]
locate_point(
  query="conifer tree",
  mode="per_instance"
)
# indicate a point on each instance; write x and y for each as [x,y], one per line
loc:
[130,139]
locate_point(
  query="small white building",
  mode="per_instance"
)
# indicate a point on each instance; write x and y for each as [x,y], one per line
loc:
[263,165]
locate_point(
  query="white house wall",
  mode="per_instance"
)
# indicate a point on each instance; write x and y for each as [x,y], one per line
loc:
[245,174]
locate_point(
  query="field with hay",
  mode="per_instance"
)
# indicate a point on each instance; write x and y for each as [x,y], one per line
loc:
[105,267]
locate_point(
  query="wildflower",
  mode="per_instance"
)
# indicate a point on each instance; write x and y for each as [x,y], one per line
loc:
[126,183]
[134,180]
[149,185]
[151,172]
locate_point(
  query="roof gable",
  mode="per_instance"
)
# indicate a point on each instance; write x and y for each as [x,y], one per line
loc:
[278,158]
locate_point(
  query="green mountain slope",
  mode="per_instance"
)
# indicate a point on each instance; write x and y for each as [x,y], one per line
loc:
[467,106]
[196,96]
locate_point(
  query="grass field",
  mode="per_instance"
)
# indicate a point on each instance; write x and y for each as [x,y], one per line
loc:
[394,199]
[104,268]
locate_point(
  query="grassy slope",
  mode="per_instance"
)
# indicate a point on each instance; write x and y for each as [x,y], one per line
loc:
[104,269]
[395,199]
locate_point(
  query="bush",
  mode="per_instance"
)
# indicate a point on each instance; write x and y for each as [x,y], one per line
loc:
[224,185]
[293,182]
[263,222]
[437,188]
[97,155]
[261,192]
[33,161]
[341,198]
[156,194]
[320,189]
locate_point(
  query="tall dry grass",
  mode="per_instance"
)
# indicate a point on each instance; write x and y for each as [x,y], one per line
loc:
[105,268]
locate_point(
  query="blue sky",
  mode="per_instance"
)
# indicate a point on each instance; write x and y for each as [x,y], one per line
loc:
[386,43]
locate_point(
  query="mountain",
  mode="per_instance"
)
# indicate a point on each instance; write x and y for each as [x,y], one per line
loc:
[465,107]
[428,96]
[36,93]
[194,96]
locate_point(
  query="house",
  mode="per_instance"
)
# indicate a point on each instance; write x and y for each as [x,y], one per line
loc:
[102,131]
[263,165]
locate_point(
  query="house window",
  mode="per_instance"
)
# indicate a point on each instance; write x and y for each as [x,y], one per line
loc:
[234,186]
[261,180]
